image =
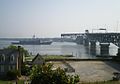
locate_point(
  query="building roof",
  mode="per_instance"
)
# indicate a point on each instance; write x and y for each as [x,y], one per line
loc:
[37,59]
[7,51]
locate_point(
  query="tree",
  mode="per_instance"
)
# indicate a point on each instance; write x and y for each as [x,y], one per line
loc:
[43,74]
[16,48]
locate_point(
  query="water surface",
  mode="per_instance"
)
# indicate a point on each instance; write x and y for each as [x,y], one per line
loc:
[63,48]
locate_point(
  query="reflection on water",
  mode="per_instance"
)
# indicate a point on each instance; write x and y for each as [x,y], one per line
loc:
[64,48]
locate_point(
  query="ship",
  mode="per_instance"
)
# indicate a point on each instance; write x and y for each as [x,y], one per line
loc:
[33,41]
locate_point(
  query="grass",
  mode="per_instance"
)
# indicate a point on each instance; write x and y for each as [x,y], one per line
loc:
[102,82]
[4,82]
[22,82]
[49,57]
[11,82]
[54,57]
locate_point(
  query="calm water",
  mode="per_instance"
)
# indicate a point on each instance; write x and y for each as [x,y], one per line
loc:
[62,48]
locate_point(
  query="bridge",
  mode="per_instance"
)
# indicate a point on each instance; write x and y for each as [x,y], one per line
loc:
[100,37]
[105,37]
[87,39]
[71,35]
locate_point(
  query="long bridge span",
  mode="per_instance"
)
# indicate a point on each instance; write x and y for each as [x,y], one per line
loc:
[91,38]
[100,37]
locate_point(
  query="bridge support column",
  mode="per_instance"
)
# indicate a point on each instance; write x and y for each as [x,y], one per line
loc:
[93,47]
[118,54]
[79,40]
[86,42]
[118,44]
[104,49]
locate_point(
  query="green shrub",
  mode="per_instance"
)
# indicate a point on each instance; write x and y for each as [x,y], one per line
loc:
[13,74]
[25,70]
[45,74]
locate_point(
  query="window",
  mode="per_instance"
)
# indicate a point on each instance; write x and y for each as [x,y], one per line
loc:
[2,58]
[1,68]
[11,67]
[12,58]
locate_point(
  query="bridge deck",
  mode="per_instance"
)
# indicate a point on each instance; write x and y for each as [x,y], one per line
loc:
[71,34]
[104,33]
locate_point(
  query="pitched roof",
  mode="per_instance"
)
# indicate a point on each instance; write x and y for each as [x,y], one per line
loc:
[37,56]
[7,51]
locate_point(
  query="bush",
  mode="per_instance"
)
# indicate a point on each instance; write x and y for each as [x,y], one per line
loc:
[45,75]
[26,53]
[25,70]
[13,74]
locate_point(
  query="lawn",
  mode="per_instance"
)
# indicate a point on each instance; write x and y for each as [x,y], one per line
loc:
[4,82]
[50,57]
[47,57]
[54,57]
[22,82]
[11,82]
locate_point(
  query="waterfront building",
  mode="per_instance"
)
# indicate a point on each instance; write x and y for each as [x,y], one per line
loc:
[10,59]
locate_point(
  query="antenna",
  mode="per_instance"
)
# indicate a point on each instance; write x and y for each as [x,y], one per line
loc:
[34,36]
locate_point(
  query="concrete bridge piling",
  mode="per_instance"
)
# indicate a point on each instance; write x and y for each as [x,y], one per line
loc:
[79,40]
[86,42]
[104,49]
[93,47]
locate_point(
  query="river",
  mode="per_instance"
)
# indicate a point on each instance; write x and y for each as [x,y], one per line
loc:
[62,48]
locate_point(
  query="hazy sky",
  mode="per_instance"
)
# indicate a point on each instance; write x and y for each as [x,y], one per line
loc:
[50,18]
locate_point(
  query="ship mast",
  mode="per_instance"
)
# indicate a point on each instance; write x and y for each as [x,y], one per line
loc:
[33,36]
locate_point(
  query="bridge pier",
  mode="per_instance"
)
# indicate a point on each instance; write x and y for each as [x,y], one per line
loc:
[86,42]
[79,40]
[118,54]
[93,47]
[104,49]
[118,44]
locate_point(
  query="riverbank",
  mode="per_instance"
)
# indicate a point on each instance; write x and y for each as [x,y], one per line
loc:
[50,57]
[67,58]
[89,71]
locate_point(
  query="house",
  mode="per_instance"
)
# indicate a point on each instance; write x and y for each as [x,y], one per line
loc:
[10,59]
[38,60]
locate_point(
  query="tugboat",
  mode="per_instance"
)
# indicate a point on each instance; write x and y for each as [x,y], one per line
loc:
[33,41]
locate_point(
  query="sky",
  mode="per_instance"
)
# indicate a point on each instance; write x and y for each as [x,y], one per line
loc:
[50,18]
